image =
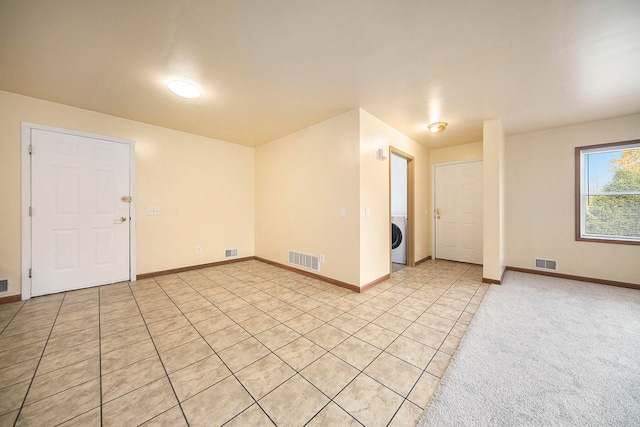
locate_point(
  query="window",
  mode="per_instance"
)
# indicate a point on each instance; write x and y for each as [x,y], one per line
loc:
[608,193]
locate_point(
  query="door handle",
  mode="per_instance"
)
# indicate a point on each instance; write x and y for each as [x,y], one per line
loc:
[123,218]
[438,213]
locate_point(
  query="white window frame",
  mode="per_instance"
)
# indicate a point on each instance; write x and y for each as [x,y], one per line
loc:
[582,193]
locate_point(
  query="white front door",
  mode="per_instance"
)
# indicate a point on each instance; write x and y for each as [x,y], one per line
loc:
[80,224]
[458,212]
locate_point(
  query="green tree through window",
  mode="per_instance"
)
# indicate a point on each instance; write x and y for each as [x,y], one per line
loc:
[610,193]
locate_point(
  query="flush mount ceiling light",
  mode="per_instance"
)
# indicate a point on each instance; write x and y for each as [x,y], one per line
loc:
[437,127]
[184,88]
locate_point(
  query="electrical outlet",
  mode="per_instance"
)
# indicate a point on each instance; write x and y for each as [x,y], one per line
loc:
[198,250]
[321,258]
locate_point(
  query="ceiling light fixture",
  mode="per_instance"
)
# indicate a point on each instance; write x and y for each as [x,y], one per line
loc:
[184,88]
[437,127]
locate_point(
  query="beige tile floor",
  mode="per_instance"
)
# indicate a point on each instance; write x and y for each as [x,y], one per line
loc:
[241,344]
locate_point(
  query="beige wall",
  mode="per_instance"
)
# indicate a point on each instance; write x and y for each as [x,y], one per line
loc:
[540,199]
[375,243]
[457,153]
[213,194]
[302,181]
[204,187]
[493,189]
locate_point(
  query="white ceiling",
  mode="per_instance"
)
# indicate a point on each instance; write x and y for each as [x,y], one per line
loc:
[271,67]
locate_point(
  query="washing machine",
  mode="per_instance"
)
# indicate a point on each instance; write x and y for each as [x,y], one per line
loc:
[398,239]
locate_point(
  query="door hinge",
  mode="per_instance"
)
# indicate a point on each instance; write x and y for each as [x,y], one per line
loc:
[30,211]
[30,149]
[29,273]
[126,199]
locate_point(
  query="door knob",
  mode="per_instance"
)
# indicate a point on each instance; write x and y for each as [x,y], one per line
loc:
[123,218]
[438,213]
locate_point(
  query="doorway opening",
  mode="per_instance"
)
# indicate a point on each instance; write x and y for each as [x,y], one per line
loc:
[401,208]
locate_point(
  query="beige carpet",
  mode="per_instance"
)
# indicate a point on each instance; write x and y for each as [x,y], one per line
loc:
[545,351]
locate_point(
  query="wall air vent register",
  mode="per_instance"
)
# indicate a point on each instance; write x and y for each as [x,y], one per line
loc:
[545,264]
[311,262]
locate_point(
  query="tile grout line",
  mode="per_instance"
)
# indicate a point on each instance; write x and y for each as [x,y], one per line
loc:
[406,398]
[13,317]
[383,350]
[284,288]
[159,358]
[209,345]
[438,349]
[352,335]
[276,355]
[217,355]
[251,335]
[40,359]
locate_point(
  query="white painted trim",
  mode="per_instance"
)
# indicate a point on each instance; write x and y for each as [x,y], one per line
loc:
[458,162]
[132,211]
[26,198]
[433,197]
[26,202]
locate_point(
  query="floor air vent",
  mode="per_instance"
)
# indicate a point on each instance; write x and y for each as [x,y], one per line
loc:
[546,264]
[230,253]
[311,262]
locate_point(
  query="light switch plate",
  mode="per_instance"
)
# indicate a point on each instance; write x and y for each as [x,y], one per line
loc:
[153,211]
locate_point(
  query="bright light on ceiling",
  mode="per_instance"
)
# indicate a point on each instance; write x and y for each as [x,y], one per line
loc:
[437,127]
[184,88]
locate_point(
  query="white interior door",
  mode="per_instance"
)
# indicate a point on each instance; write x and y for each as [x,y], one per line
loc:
[80,224]
[458,212]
